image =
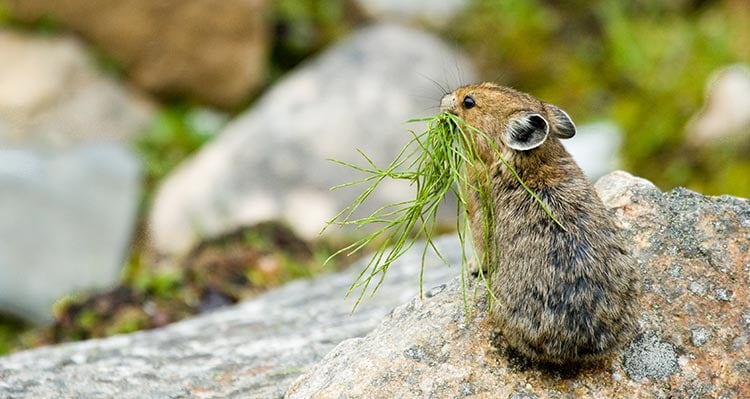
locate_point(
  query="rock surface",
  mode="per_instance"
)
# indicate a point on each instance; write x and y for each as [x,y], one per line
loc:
[52,95]
[694,340]
[270,163]
[69,183]
[65,221]
[212,50]
[253,350]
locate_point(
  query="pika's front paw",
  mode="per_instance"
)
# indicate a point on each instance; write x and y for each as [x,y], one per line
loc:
[475,269]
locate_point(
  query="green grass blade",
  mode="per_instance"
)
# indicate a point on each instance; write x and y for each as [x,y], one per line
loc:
[434,162]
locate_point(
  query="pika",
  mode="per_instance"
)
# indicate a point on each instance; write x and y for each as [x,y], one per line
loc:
[564,296]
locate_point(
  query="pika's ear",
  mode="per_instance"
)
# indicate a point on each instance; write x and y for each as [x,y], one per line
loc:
[527,132]
[562,126]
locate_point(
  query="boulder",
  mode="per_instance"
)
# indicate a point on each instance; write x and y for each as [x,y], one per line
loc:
[65,218]
[51,95]
[252,350]
[213,51]
[725,116]
[271,162]
[693,340]
[435,13]
[69,182]
[596,147]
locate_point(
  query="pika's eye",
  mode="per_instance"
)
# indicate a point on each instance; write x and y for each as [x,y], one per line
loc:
[469,102]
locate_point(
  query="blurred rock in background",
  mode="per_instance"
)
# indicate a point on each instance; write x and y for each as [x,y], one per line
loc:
[270,163]
[69,183]
[214,51]
[65,219]
[51,94]
[726,113]
[430,12]
[595,148]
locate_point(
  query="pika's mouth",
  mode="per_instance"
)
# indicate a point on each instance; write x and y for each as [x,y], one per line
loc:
[448,104]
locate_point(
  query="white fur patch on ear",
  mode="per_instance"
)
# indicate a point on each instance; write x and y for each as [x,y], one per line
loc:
[563,126]
[527,132]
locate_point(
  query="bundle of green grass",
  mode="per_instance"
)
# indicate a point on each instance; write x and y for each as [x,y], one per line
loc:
[434,162]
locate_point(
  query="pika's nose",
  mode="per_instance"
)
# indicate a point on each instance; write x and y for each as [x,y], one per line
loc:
[448,103]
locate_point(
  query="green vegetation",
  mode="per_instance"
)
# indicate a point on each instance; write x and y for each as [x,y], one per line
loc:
[10,331]
[303,27]
[435,162]
[177,131]
[642,64]
[43,26]
[175,134]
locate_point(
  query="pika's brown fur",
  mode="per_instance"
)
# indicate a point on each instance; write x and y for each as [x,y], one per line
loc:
[562,296]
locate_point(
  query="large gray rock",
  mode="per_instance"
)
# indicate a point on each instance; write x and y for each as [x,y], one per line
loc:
[253,350]
[271,163]
[695,340]
[215,51]
[69,184]
[65,219]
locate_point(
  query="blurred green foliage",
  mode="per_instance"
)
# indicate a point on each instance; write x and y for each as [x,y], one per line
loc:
[176,132]
[44,26]
[172,137]
[303,27]
[642,64]
[10,330]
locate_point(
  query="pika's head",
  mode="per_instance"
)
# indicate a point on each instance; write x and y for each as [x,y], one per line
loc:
[514,119]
